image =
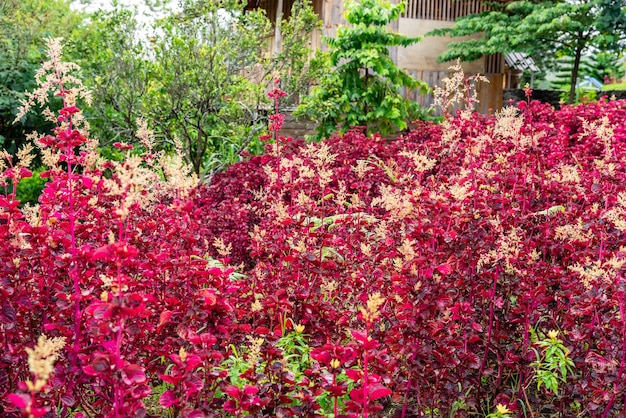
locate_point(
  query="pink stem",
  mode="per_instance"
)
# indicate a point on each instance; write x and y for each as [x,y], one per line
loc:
[365,374]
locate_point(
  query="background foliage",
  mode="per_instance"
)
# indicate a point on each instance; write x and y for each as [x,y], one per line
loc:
[365,87]
[201,76]
[23,26]
[545,29]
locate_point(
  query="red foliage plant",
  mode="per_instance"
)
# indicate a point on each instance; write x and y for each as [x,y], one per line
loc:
[417,274]
[112,265]
[481,234]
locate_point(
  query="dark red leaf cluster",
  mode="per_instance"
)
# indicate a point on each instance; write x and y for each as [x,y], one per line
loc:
[423,271]
[512,231]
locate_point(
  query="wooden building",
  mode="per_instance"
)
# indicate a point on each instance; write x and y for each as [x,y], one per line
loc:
[419,18]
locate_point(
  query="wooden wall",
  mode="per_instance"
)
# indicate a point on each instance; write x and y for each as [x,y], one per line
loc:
[270,7]
[419,17]
[447,10]
[489,95]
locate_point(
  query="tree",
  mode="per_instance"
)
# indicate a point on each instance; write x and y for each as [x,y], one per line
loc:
[541,27]
[563,71]
[365,87]
[24,25]
[608,65]
[603,66]
[117,69]
[200,79]
[199,92]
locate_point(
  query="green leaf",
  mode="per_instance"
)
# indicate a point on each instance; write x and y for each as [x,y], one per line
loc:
[551,211]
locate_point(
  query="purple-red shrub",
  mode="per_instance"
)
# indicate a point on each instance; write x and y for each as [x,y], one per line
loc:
[481,235]
[419,275]
[113,266]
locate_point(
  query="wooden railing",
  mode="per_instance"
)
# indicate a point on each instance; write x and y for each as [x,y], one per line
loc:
[447,10]
[489,95]
[432,78]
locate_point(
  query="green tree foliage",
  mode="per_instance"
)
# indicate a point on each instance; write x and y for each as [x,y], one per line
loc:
[608,65]
[24,24]
[200,79]
[117,69]
[541,28]
[602,65]
[364,89]
[563,71]
[199,92]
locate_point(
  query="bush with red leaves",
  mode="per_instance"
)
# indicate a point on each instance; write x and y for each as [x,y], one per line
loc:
[413,277]
[481,234]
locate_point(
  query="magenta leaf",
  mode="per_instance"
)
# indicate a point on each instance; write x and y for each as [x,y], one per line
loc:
[68,400]
[168,399]
[445,269]
[7,314]
[20,400]
[377,391]
[360,336]
[232,391]
[250,390]
[355,375]
[194,414]
[132,374]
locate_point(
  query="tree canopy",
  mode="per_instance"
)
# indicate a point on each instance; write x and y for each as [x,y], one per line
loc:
[199,78]
[24,24]
[364,89]
[543,28]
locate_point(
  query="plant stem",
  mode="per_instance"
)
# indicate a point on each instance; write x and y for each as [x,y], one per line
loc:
[365,374]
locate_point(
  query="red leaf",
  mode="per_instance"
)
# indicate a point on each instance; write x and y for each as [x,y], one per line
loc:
[20,400]
[89,370]
[445,269]
[68,400]
[262,331]
[87,182]
[7,314]
[321,356]
[194,414]
[477,327]
[360,336]
[133,373]
[68,111]
[377,391]
[363,338]
[192,362]
[25,173]
[232,391]
[251,390]
[164,319]
[102,253]
[193,384]
[357,395]
[354,374]
[174,380]
[167,399]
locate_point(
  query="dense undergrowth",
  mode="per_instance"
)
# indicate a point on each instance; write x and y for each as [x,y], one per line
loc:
[469,268]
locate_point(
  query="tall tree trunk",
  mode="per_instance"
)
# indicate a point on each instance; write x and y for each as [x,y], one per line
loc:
[577,57]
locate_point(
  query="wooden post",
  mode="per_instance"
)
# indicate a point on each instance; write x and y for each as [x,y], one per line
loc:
[277,34]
